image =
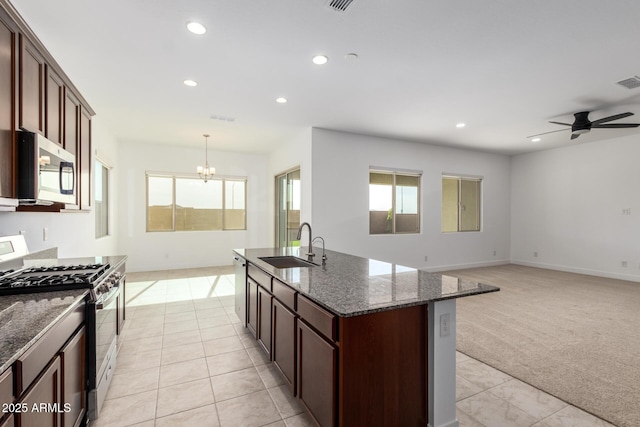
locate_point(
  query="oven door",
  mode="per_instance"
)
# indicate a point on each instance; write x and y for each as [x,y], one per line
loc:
[106,320]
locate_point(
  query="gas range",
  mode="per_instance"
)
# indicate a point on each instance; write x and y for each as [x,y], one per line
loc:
[53,278]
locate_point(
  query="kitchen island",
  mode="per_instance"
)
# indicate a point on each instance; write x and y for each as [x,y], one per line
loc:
[358,341]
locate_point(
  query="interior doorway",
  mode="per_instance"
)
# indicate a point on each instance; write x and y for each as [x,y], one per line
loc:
[287,208]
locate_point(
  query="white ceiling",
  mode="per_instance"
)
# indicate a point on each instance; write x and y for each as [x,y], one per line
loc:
[503,67]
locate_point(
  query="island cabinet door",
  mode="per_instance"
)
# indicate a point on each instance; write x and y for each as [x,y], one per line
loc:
[264,320]
[252,307]
[284,343]
[43,400]
[317,372]
[74,378]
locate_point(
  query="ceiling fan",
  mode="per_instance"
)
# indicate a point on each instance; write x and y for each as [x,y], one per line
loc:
[582,124]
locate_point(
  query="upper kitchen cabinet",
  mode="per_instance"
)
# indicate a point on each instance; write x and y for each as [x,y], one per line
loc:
[37,96]
[8,37]
[31,93]
[54,107]
[71,121]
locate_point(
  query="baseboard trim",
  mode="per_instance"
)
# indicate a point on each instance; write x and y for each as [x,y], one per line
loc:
[586,271]
[440,268]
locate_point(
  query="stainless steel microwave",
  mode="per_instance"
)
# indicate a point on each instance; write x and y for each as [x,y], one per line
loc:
[45,171]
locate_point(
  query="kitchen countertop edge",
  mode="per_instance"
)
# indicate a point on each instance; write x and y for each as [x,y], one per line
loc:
[424,280]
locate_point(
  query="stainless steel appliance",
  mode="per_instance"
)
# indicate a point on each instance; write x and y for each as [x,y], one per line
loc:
[240,267]
[46,172]
[103,283]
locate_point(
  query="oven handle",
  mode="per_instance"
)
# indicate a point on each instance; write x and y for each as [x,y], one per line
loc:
[106,299]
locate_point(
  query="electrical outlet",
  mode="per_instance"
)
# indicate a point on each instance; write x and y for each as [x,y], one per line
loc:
[535,254]
[445,326]
[426,258]
[494,253]
[623,264]
[45,234]
[626,211]
[23,232]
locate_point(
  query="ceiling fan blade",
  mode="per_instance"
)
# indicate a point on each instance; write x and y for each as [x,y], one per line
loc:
[616,125]
[544,133]
[611,118]
[560,123]
[574,135]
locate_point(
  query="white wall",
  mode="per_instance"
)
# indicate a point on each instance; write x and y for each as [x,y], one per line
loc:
[340,211]
[567,205]
[73,233]
[186,249]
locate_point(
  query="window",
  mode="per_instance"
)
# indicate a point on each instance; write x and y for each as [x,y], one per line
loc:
[460,204]
[394,202]
[178,203]
[102,199]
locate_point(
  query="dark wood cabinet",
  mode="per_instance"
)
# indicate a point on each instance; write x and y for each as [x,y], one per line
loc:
[73,360]
[284,342]
[31,88]
[368,369]
[317,375]
[8,37]
[252,307]
[46,390]
[54,106]
[71,121]
[9,422]
[264,320]
[84,159]
[37,96]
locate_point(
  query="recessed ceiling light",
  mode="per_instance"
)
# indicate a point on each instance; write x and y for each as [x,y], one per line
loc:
[460,125]
[196,28]
[191,83]
[281,100]
[536,140]
[320,59]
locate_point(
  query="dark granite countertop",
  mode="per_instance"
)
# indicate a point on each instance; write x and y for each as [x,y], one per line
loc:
[26,318]
[350,285]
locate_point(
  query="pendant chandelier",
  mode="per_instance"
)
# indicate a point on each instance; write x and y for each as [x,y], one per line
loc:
[206,172]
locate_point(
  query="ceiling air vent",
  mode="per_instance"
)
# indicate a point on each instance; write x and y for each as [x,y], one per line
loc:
[632,83]
[339,5]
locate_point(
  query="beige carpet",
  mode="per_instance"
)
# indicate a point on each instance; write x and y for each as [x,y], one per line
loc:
[574,336]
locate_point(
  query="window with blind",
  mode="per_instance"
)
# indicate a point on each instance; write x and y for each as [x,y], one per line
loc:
[177,203]
[394,202]
[460,204]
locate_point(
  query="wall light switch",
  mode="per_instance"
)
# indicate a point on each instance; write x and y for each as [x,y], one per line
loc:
[45,234]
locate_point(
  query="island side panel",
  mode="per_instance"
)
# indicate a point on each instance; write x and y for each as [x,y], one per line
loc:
[382,368]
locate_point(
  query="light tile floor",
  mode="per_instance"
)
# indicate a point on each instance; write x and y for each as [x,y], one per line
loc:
[185,360]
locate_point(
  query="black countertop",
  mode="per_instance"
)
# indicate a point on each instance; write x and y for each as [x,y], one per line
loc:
[350,285]
[26,318]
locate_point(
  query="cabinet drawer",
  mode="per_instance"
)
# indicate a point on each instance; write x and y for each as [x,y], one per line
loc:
[323,321]
[6,387]
[285,294]
[34,360]
[262,278]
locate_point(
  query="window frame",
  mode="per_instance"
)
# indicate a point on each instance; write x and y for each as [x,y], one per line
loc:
[176,176]
[460,178]
[394,173]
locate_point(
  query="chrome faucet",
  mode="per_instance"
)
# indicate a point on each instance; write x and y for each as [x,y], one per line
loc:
[324,255]
[310,254]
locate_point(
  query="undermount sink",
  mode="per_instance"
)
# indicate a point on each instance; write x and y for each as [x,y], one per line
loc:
[287,261]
